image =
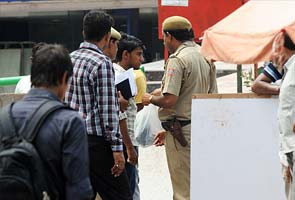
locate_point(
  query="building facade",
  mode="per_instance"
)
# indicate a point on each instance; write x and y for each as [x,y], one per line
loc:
[23,23]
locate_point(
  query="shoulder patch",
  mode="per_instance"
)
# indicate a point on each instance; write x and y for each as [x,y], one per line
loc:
[171,71]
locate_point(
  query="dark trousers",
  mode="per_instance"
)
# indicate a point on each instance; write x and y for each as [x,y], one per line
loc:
[102,181]
[130,169]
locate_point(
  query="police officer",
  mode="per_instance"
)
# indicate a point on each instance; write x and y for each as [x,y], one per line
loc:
[112,47]
[186,73]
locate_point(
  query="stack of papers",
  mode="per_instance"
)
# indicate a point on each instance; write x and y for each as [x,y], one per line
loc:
[125,83]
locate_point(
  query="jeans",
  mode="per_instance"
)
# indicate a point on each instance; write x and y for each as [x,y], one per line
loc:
[131,171]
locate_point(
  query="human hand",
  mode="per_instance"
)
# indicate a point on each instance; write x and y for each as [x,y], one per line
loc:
[278,57]
[146,99]
[159,139]
[122,102]
[119,163]
[132,156]
[278,43]
[156,92]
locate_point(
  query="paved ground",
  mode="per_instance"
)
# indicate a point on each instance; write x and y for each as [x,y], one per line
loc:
[154,175]
[153,171]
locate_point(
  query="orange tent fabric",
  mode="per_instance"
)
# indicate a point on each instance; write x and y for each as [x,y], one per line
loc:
[246,35]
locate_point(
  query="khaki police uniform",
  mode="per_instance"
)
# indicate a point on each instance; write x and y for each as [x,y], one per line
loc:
[186,73]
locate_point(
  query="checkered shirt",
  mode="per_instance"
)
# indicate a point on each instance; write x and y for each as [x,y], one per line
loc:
[92,93]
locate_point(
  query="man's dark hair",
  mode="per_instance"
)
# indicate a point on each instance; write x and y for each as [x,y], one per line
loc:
[49,65]
[96,24]
[288,43]
[37,47]
[181,35]
[128,43]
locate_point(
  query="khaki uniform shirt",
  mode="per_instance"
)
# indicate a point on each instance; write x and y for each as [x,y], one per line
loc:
[186,73]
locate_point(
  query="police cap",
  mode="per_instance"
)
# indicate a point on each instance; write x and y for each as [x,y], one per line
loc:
[176,23]
[115,34]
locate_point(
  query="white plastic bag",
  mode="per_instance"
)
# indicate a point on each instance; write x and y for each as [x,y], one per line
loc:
[147,124]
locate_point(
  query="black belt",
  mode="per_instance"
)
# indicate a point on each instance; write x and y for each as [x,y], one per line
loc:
[167,124]
[184,122]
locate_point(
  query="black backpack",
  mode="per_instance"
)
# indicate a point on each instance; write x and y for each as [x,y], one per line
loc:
[23,174]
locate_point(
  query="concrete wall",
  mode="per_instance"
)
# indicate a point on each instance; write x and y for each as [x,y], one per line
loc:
[25,8]
[10,62]
[9,97]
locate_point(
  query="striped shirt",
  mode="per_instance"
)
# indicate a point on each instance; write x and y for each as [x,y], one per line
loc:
[92,93]
[271,72]
[131,111]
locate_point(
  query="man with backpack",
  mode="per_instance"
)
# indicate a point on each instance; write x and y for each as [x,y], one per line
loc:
[43,152]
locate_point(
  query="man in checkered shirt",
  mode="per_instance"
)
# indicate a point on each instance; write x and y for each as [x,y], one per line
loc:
[92,93]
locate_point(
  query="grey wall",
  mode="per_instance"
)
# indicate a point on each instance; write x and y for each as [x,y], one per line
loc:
[10,62]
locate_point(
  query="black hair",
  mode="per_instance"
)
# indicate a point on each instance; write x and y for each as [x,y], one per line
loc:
[288,43]
[49,65]
[181,34]
[128,43]
[37,47]
[96,24]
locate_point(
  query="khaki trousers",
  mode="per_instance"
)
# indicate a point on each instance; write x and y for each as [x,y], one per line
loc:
[178,159]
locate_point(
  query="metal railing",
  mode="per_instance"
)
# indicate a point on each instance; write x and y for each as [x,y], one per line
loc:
[10,80]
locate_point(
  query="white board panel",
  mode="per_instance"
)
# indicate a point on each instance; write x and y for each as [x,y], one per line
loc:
[234,152]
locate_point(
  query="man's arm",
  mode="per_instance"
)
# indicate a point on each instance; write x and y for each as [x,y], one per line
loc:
[262,85]
[165,101]
[123,103]
[157,92]
[171,87]
[108,106]
[109,114]
[168,97]
[75,163]
[131,153]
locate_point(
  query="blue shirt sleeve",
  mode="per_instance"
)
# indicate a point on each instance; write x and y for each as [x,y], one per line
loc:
[75,160]
[271,72]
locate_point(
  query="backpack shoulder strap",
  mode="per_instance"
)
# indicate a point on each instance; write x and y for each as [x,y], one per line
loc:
[8,130]
[39,116]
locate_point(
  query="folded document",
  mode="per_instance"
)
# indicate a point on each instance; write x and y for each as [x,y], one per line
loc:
[125,83]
